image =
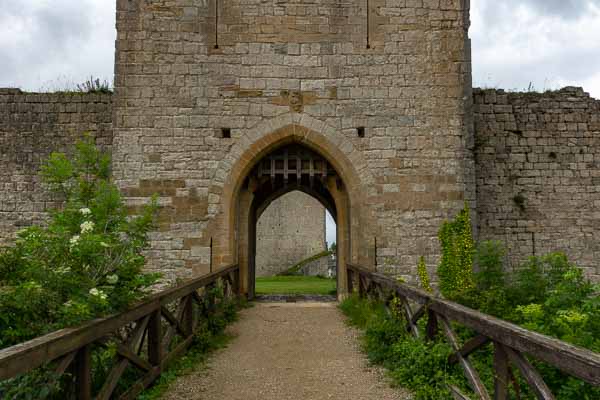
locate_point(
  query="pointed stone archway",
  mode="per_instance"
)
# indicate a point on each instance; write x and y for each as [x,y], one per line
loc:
[292,167]
[245,195]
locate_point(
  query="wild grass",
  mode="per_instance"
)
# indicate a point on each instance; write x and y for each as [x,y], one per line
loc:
[66,85]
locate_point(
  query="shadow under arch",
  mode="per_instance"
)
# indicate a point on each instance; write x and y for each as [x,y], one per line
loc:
[323,198]
[352,214]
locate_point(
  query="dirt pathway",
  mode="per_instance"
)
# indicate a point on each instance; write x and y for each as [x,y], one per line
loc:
[288,351]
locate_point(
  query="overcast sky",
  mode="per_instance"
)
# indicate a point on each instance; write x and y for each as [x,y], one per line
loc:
[47,44]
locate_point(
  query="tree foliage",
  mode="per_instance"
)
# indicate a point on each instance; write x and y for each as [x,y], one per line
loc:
[86,262]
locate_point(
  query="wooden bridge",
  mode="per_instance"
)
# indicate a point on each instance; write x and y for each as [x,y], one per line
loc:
[162,328]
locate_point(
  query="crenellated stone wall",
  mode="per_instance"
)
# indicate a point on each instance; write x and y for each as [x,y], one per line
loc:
[537,166]
[538,173]
[32,125]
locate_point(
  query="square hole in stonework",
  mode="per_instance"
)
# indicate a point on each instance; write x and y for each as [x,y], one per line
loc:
[226,133]
[360,131]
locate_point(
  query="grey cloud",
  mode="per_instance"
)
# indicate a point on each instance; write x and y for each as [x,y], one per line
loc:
[54,40]
[62,28]
[562,8]
[499,38]
[498,13]
[543,74]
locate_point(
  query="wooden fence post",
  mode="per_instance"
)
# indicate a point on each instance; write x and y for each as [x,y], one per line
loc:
[83,373]
[188,315]
[155,339]
[432,325]
[501,374]
[235,282]
[361,285]
[350,276]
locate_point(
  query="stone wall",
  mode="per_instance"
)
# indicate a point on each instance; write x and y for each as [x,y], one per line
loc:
[538,173]
[310,70]
[32,125]
[290,230]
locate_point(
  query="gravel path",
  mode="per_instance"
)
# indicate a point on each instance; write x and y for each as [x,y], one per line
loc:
[288,351]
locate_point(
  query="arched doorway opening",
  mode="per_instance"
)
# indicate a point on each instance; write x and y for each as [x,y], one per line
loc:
[294,248]
[287,168]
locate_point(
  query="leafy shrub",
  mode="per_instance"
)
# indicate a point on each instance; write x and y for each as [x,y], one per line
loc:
[414,364]
[87,262]
[546,294]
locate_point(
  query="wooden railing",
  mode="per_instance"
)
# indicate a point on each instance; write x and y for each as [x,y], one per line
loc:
[147,337]
[511,342]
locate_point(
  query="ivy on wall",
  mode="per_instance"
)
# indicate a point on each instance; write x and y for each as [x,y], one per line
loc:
[424,275]
[455,271]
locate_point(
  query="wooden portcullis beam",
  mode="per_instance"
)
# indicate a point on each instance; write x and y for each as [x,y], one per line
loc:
[293,163]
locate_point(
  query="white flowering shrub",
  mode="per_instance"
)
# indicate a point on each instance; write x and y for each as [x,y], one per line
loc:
[87,262]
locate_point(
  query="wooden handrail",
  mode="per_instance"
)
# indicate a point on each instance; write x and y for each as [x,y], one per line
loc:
[513,339]
[146,315]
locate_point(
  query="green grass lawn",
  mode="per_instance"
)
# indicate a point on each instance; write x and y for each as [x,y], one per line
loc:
[295,285]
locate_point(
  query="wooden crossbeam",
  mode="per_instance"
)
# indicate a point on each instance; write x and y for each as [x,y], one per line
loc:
[175,324]
[472,345]
[470,373]
[126,352]
[501,372]
[457,394]
[410,325]
[64,363]
[123,362]
[174,321]
[421,311]
[531,375]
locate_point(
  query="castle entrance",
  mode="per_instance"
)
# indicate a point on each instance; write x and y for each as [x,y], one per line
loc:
[289,168]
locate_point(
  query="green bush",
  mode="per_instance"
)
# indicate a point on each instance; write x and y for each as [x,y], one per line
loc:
[546,294]
[87,262]
[414,364]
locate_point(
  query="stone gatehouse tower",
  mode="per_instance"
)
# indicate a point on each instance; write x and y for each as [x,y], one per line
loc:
[370,96]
